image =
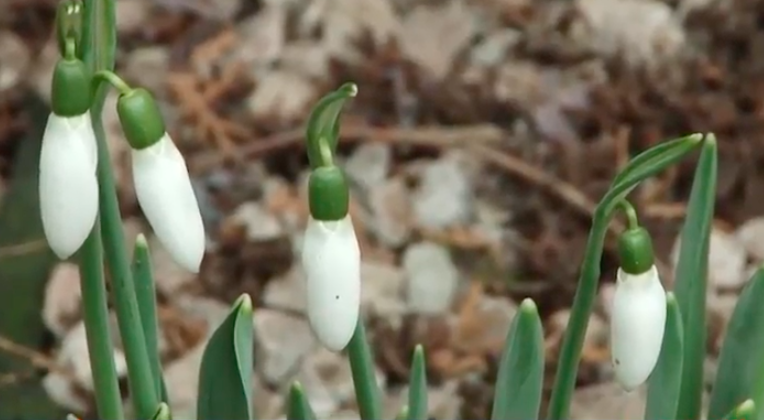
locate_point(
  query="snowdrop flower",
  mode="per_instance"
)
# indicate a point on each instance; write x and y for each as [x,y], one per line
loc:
[162,184]
[68,187]
[639,311]
[331,259]
[332,262]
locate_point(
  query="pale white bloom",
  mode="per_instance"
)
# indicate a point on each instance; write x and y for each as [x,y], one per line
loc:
[638,323]
[68,185]
[167,199]
[332,263]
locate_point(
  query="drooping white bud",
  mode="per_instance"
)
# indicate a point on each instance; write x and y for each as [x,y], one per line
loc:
[637,326]
[167,199]
[68,185]
[331,259]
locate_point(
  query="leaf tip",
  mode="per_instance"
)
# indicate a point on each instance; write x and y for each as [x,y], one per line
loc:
[163,412]
[350,88]
[244,303]
[141,241]
[528,306]
[295,388]
[670,298]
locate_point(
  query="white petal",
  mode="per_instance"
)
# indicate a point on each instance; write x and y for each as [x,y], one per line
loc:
[332,263]
[639,320]
[168,201]
[68,186]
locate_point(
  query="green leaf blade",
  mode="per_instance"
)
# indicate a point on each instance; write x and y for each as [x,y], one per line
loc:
[745,411]
[225,377]
[642,167]
[145,293]
[367,393]
[298,406]
[417,406]
[690,281]
[665,382]
[323,122]
[521,370]
[739,374]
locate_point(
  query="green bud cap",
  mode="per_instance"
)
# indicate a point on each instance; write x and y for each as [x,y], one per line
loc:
[328,194]
[140,118]
[635,249]
[70,90]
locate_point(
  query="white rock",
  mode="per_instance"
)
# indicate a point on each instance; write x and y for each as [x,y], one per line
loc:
[726,260]
[287,292]
[282,343]
[607,401]
[382,289]
[645,31]
[260,224]
[369,164]
[74,355]
[751,235]
[62,299]
[317,392]
[432,278]
[63,392]
[168,275]
[333,372]
[444,197]
[391,212]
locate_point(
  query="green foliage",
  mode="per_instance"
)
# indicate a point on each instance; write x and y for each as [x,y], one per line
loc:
[521,371]
[225,377]
[740,374]
[665,383]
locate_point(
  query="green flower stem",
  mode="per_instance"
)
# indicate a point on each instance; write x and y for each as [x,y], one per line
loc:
[111,78]
[367,392]
[145,290]
[141,380]
[96,317]
[631,214]
[640,168]
[99,46]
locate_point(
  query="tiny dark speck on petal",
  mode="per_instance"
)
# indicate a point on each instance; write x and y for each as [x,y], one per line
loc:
[337,297]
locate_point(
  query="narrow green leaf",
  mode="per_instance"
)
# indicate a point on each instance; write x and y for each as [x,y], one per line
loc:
[298,406]
[690,279]
[163,412]
[666,380]
[95,312]
[367,391]
[145,292]
[98,52]
[417,407]
[745,411]
[324,122]
[586,293]
[741,356]
[521,370]
[657,152]
[225,376]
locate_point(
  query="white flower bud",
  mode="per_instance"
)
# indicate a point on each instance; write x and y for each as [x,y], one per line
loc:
[68,185]
[167,199]
[331,259]
[637,326]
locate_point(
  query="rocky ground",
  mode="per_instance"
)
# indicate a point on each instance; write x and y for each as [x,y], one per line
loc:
[483,135]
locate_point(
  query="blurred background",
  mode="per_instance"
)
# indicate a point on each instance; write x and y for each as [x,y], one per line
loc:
[483,135]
